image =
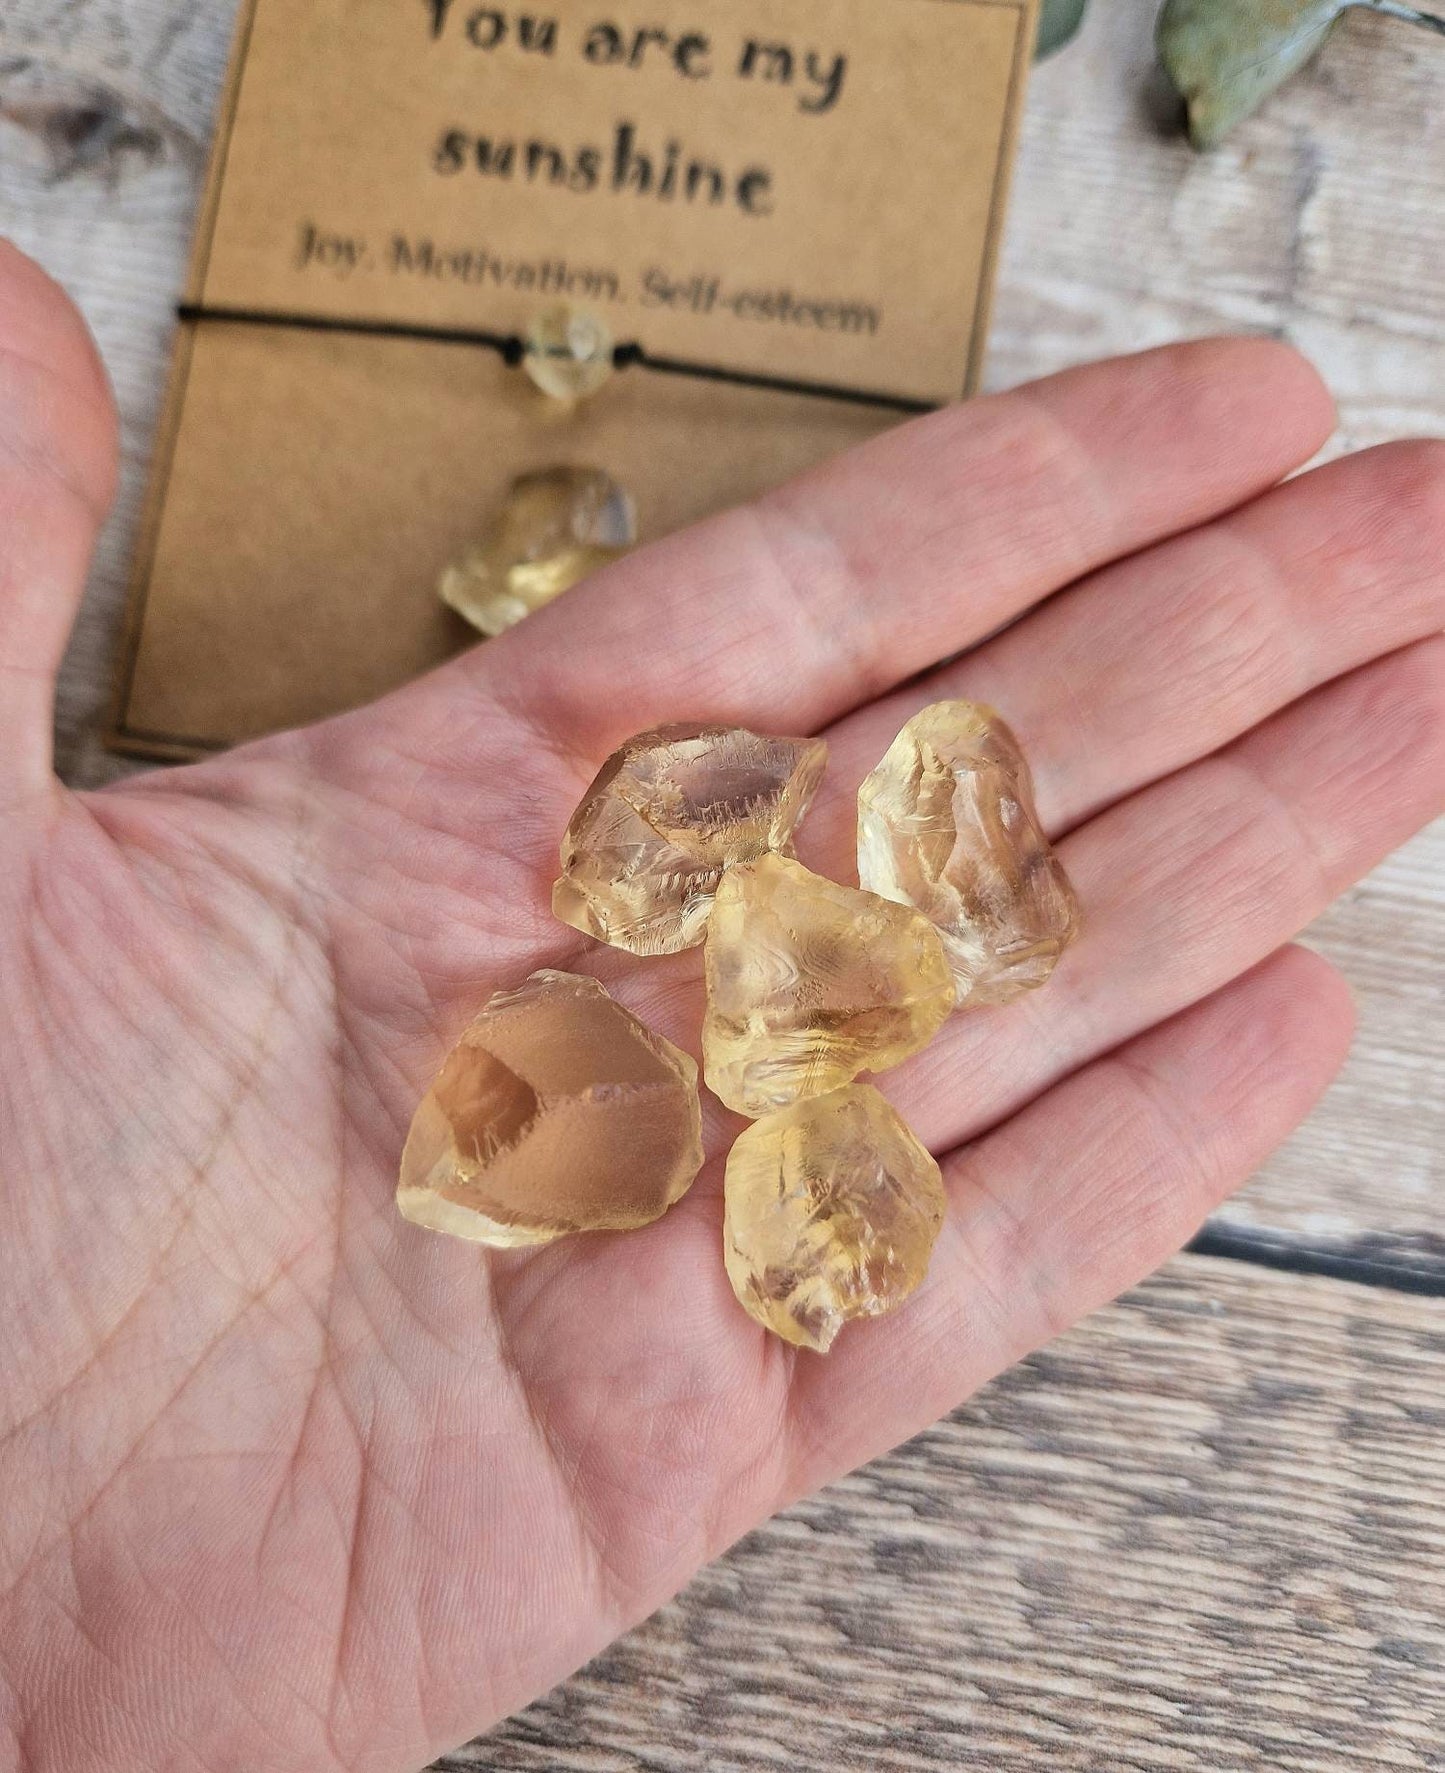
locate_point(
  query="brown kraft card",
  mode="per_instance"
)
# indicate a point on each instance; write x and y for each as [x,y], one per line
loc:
[792,207]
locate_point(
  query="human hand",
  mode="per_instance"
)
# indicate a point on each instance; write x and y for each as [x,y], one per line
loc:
[288,1483]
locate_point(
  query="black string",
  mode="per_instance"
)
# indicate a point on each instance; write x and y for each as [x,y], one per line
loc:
[511,349]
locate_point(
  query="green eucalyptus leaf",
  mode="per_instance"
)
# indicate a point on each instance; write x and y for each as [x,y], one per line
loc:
[1059,20]
[1227,56]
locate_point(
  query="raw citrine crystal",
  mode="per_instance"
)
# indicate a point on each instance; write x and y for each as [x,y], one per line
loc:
[831,1209]
[946,823]
[557,1111]
[809,983]
[568,352]
[667,813]
[556,526]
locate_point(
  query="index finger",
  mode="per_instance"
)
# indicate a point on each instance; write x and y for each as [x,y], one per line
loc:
[851,578]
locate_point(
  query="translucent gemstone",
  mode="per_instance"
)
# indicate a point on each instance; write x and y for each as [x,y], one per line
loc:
[667,813]
[947,823]
[557,526]
[831,1210]
[809,983]
[568,352]
[556,1111]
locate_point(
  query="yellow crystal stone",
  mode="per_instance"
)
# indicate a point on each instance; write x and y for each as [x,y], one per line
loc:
[557,525]
[556,1111]
[568,352]
[946,823]
[810,982]
[666,814]
[831,1210]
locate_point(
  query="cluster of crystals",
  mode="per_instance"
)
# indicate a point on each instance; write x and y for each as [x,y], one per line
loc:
[831,1204]
[557,526]
[559,1112]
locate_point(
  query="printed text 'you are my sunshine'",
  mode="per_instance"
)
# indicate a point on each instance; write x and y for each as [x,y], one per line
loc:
[665,171]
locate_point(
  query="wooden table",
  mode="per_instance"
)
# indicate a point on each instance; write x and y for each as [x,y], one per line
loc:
[1207,1529]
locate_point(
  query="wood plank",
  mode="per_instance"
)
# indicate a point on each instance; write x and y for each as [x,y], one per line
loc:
[1365,1176]
[1206,1530]
[1319,220]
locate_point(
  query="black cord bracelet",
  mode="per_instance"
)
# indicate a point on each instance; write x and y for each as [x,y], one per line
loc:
[511,349]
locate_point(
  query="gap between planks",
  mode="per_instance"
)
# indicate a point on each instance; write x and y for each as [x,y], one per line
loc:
[1365,1262]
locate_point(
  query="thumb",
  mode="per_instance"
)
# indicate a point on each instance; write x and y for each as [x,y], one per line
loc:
[57,478]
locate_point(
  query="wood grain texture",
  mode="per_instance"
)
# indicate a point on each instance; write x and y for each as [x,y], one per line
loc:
[1204,1532]
[1323,220]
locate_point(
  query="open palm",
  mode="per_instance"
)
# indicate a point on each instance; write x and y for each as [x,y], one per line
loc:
[288,1483]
